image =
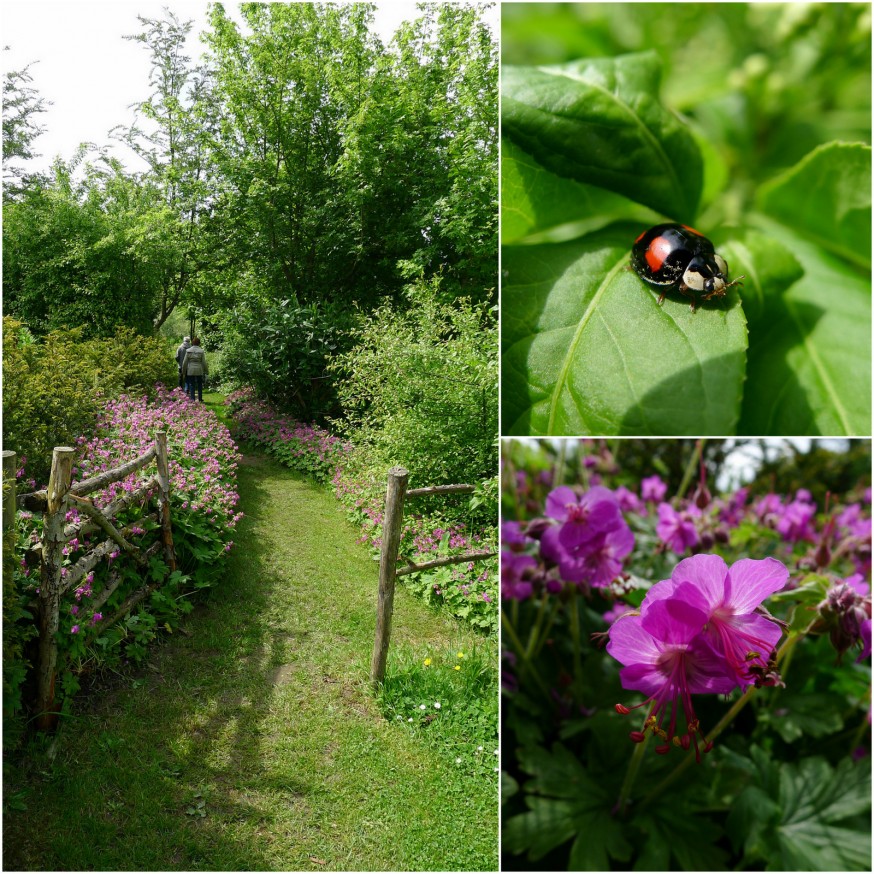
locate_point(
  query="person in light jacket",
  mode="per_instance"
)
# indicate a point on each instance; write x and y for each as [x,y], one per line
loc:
[180,356]
[194,368]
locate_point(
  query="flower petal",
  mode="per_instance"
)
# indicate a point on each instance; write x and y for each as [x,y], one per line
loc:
[752,580]
[708,573]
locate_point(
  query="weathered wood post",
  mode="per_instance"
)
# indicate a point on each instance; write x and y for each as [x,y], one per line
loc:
[53,540]
[391,537]
[8,489]
[164,498]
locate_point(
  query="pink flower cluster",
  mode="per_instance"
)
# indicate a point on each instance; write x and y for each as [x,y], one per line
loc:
[300,445]
[203,457]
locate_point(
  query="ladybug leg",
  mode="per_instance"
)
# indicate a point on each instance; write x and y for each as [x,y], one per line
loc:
[685,290]
[661,298]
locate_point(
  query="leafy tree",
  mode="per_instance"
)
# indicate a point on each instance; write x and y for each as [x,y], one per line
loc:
[175,149]
[21,105]
[91,252]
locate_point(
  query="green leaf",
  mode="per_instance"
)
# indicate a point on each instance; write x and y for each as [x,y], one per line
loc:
[576,806]
[533,199]
[586,349]
[692,841]
[806,816]
[809,360]
[814,713]
[769,269]
[827,197]
[598,121]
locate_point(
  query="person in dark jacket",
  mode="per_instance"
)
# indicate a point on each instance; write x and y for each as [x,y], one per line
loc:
[180,357]
[194,368]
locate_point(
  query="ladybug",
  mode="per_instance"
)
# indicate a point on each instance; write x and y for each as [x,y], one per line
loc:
[677,256]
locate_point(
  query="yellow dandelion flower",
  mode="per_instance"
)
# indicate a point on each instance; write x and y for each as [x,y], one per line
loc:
[461,655]
[458,667]
[427,662]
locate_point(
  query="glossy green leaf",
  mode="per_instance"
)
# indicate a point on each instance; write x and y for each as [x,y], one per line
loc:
[827,198]
[599,121]
[587,350]
[533,199]
[769,268]
[810,353]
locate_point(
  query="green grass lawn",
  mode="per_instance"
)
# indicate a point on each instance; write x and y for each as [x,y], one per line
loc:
[252,741]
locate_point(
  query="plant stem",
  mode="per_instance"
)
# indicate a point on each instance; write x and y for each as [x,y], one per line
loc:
[689,473]
[723,723]
[574,616]
[508,629]
[631,776]
[558,479]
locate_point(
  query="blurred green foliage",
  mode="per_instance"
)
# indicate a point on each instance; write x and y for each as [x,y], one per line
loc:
[763,83]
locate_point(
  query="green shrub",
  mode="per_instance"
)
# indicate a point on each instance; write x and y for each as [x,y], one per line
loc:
[54,388]
[418,389]
[282,350]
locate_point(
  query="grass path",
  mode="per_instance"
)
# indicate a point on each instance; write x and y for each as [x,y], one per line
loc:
[260,718]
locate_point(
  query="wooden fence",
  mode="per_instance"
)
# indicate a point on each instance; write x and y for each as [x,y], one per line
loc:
[53,503]
[392,524]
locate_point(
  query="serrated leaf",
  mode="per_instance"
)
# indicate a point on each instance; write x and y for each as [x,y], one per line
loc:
[809,361]
[827,197]
[586,349]
[692,839]
[599,121]
[577,807]
[509,786]
[802,815]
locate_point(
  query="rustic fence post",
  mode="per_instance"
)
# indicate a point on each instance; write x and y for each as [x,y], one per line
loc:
[391,537]
[164,498]
[8,489]
[53,540]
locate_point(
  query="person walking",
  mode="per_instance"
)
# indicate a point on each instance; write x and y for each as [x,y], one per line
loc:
[180,357]
[194,368]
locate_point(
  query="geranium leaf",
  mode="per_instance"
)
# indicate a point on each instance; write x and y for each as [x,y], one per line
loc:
[574,806]
[813,713]
[586,349]
[599,121]
[799,821]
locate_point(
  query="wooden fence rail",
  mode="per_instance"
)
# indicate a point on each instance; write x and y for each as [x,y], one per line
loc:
[54,502]
[392,524]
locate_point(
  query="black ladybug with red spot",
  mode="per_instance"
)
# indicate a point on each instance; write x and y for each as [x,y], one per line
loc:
[677,256]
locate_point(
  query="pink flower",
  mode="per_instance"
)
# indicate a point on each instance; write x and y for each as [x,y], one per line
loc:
[677,530]
[653,488]
[728,599]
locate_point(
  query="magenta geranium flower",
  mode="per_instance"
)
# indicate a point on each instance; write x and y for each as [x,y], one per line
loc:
[592,540]
[513,567]
[676,529]
[727,598]
[653,488]
[669,660]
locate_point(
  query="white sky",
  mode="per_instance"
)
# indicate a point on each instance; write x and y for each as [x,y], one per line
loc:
[92,76]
